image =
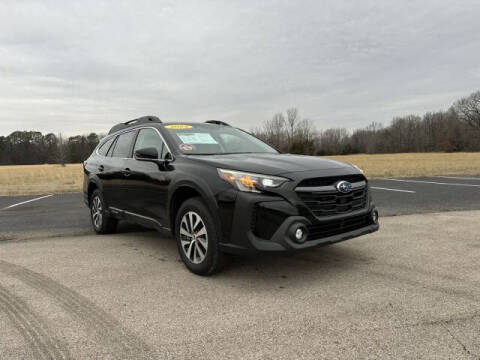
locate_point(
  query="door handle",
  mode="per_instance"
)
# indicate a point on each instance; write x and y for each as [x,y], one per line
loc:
[101,168]
[127,172]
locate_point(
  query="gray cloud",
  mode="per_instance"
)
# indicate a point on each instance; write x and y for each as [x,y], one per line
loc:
[76,67]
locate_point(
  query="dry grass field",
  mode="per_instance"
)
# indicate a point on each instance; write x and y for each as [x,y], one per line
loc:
[46,179]
[40,179]
[415,164]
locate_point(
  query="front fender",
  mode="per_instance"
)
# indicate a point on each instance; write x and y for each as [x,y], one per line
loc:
[199,186]
[207,191]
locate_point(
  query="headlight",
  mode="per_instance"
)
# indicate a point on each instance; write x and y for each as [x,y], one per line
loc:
[356,167]
[250,182]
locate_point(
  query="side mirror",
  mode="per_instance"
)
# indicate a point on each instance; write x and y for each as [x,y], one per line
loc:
[146,154]
[151,154]
[168,157]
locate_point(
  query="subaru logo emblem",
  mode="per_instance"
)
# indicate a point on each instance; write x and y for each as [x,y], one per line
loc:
[344,187]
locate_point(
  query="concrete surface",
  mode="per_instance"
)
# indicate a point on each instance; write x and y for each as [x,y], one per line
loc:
[411,290]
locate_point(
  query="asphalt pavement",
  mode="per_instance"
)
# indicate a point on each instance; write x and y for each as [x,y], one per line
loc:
[427,194]
[66,214]
[411,290]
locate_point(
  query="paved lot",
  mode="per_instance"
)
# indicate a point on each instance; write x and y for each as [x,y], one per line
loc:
[428,194]
[411,290]
[62,215]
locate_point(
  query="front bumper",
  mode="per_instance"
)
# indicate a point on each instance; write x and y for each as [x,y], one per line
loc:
[264,223]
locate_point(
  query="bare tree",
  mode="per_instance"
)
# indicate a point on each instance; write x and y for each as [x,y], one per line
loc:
[333,141]
[273,131]
[305,130]
[366,140]
[62,156]
[288,133]
[468,109]
[292,117]
[303,141]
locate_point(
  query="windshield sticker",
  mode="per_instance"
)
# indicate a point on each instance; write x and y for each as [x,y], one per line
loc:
[178,127]
[186,147]
[197,138]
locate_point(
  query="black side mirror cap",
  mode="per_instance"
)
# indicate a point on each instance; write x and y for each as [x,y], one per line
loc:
[151,154]
[146,154]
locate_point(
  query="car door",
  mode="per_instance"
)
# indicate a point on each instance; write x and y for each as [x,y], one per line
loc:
[105,165]
[148,182]
[119,172]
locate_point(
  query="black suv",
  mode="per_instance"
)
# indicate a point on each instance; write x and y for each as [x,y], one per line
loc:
[220,190]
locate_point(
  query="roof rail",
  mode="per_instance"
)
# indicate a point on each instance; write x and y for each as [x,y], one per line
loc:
[138,121]
[217,122]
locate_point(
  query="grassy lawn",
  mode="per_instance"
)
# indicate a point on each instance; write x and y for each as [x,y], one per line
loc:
[46,179]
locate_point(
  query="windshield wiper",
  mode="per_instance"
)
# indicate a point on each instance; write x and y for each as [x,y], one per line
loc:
[243,152]
[231,153]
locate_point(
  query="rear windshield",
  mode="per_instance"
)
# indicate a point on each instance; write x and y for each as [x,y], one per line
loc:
[209,139]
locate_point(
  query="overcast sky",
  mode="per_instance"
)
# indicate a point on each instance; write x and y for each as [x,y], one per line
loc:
[81,66]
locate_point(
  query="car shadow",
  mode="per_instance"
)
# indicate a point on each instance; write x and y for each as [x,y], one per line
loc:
[127,227]
[262,270]
[298,268]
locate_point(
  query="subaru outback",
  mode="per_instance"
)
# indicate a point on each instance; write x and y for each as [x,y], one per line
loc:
[219,190]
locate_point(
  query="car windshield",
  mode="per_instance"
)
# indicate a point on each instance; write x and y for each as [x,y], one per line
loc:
[211,139]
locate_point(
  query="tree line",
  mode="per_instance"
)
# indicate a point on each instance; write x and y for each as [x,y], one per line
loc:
[456,129]
[32,147]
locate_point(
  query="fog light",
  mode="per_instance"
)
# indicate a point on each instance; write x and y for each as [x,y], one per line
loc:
[375,216]
[299,234]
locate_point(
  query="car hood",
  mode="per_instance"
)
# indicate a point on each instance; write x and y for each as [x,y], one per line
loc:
[270,164]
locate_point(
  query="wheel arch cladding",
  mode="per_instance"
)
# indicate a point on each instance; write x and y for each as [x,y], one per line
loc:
[179,196]
[92,186]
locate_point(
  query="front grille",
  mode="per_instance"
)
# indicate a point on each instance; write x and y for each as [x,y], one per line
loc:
[327,203]
[336,227]
[330,180]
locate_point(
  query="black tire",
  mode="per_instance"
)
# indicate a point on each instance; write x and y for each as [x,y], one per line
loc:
[103,223]
[213,259]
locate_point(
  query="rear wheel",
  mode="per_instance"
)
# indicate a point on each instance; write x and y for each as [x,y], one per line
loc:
[197,238]
[101,221]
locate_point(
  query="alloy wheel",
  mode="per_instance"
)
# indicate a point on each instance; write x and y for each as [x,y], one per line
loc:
[97,212]
[193,237]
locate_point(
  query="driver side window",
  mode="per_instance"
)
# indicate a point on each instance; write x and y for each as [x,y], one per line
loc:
[149,138]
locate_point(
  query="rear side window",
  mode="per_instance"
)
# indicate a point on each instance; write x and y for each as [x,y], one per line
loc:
[110,151]
[123,146]
[102,150]
[149,138]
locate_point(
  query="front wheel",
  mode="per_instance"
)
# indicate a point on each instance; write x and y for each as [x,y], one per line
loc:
[197,238]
